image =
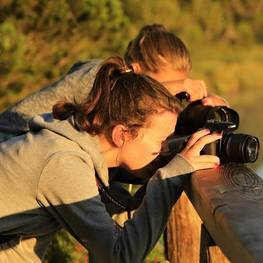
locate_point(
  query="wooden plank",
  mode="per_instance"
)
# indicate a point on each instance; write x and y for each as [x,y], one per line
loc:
[183,233]
[229,201]
[183,239]
[209,251]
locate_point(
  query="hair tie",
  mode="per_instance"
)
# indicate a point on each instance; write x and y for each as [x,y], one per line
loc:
[126,70]
[117,74]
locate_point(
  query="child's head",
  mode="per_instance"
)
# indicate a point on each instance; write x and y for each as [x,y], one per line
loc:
[155,49]
[122,98]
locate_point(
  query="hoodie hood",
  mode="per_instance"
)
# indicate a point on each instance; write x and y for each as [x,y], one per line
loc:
[86,142]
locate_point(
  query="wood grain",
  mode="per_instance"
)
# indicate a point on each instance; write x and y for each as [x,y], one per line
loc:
[183,233]
[230,202]
[184,242]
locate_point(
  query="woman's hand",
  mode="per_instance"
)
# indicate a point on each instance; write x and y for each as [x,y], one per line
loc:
[194,146]
[195,88]
[214,100]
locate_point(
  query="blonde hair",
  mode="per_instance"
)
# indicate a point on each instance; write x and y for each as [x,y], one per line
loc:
[155,47]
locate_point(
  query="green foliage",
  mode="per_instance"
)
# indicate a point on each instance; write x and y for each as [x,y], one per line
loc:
[37,34]
[41,39]
[64,249]
[11,47]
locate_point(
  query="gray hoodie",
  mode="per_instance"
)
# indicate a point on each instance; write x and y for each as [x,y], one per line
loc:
[73,87]
[48,182]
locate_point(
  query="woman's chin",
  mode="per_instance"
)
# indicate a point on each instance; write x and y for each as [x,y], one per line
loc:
[134,167]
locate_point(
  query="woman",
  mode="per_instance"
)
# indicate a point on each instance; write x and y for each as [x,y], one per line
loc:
[163,56]
[50,176]
[154,51]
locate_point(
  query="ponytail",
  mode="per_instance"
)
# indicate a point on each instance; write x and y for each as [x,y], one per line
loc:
[90,115]
[62,110]
[118,96]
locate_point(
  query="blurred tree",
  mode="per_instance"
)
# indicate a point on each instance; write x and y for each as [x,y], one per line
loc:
[41,39]
[11,47]
[101,21]
[37,34]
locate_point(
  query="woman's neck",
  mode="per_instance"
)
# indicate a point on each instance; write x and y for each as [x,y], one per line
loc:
[109,151]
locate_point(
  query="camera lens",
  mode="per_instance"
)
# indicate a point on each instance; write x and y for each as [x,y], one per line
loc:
[252,149]
[241,148]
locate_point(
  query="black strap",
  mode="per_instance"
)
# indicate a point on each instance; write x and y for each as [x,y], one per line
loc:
[122,199]
[7,238]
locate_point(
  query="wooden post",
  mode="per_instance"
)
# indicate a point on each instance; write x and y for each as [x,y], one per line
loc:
[183,233]
[183,238]
[229,200]
[209,251]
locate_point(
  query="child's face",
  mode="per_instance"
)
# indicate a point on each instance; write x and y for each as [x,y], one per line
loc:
[139,151]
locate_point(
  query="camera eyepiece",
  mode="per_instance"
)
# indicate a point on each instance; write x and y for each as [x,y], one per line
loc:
[196,116]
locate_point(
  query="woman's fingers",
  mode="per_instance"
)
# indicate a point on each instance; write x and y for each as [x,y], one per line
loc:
[200,138]
[203,161]
[199,166]
[195,88]
[205,92]
[214,100]
[201,142]
[206,162]
[194,146]
[207,159]
[195,137]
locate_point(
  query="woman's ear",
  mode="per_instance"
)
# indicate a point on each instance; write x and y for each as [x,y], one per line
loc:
[136,67]
[119,133]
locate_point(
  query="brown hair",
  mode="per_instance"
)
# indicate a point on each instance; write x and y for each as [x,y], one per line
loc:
[155,47]
[118,96]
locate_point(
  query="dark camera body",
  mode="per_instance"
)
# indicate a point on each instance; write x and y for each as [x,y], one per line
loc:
[240,148]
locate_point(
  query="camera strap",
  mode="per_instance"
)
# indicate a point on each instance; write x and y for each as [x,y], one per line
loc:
[121,198]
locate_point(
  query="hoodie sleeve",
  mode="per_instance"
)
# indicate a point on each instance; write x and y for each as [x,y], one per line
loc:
[69,193]
[74,87]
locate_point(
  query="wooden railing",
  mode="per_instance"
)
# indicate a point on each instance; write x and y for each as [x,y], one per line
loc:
[219,219]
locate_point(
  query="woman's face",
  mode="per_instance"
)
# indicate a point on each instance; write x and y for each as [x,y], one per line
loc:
[139,151]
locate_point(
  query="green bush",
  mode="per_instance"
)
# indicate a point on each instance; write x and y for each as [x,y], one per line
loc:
[41,39]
